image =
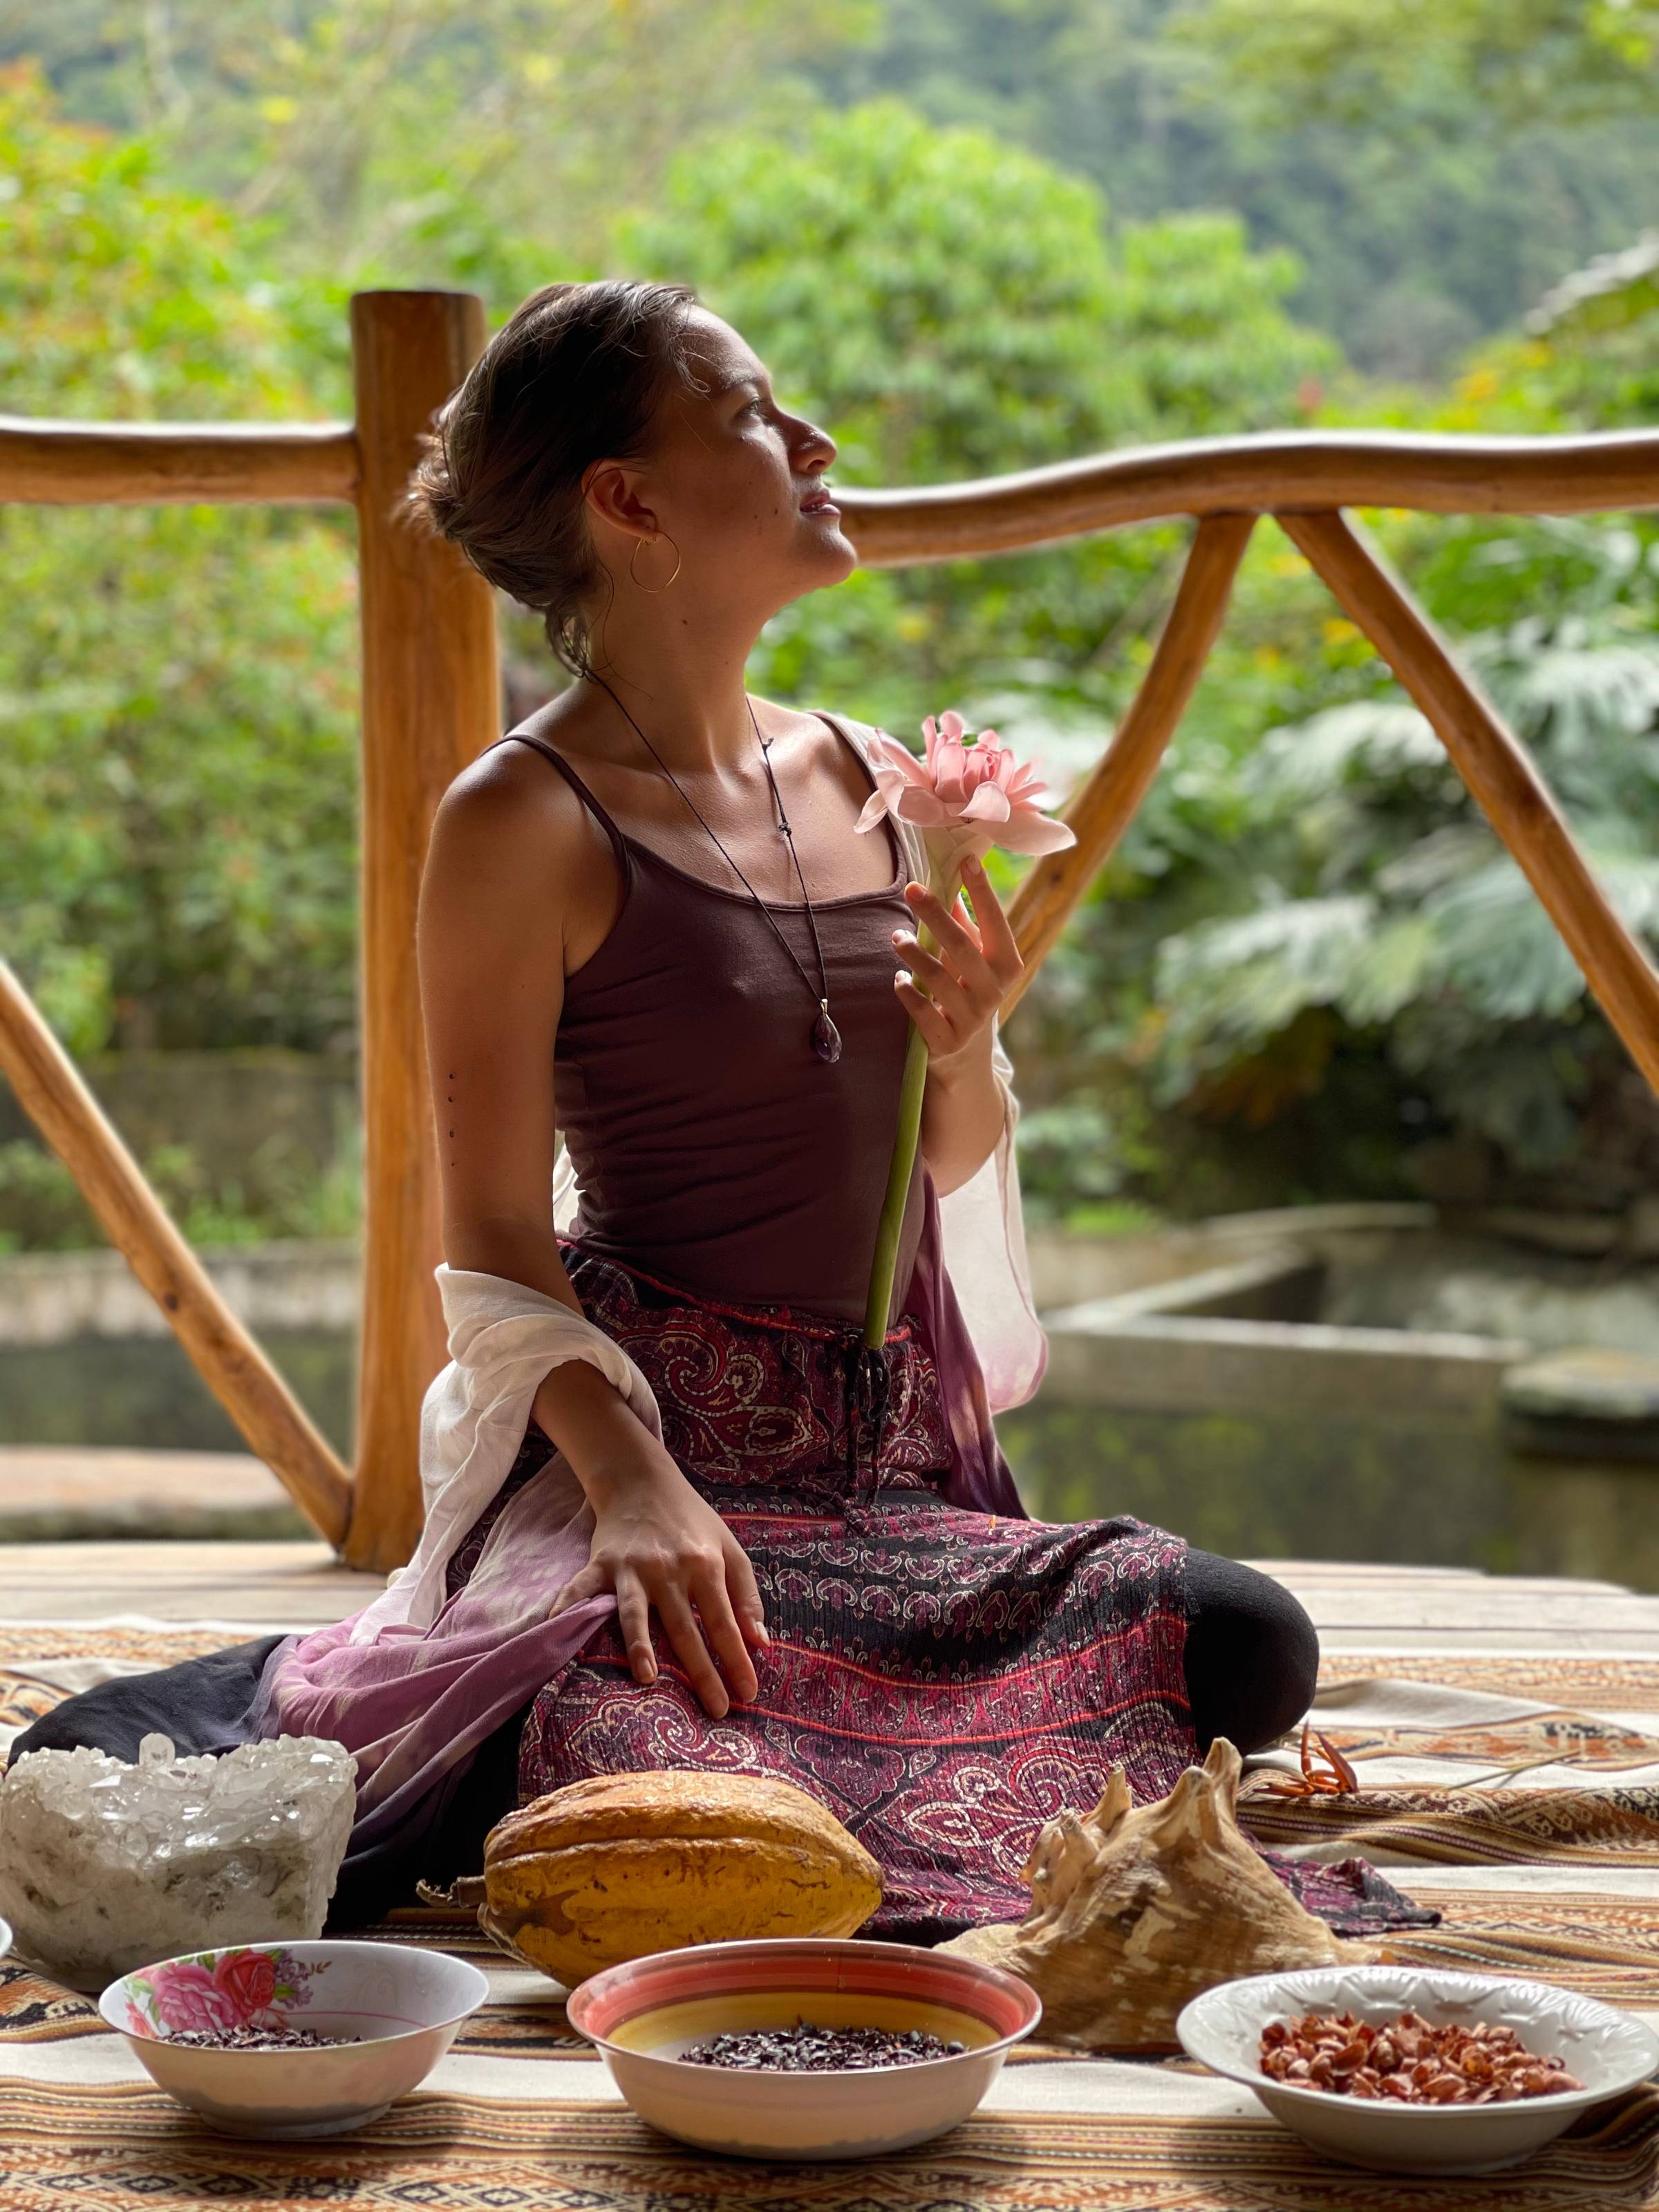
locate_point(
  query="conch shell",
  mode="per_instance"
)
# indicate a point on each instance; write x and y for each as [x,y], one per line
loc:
[1135,1909]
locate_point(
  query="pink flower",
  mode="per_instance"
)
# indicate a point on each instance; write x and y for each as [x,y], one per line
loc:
[970,793]
[187,1996]
[248,1979]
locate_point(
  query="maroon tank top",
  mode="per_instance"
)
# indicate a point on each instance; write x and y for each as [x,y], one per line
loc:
[713,1148]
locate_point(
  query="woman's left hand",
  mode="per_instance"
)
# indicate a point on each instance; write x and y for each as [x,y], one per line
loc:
[953,994]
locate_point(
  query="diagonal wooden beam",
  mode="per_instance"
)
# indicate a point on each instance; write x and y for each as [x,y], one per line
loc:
[277,1428]
[1498,771]
[1102,807]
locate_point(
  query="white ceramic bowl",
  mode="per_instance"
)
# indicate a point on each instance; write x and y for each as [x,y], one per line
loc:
[1607,2050]
[403,2004]
[644,2014]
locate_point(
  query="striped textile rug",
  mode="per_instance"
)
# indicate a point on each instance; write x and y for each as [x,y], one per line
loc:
[1518,1792]
[111,2149]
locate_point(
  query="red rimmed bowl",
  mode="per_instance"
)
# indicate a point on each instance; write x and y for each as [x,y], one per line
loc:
[645,2014]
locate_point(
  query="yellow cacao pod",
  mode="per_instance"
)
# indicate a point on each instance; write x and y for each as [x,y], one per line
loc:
[625,1864]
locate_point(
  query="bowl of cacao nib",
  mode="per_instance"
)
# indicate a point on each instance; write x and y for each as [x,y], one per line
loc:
[293,2039]
[799,2047]
[1414,2071]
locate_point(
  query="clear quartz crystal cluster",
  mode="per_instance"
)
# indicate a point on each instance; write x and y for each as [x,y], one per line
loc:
[105,1866]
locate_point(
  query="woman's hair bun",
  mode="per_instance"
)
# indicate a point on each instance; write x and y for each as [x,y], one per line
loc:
[574,375]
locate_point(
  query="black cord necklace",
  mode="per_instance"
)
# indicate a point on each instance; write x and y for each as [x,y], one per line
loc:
[826,1037]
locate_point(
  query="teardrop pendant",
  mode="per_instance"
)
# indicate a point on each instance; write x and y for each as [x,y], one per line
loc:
[826,1037]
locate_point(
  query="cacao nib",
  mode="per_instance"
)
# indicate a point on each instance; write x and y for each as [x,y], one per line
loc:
[805,2048]
[244,2038]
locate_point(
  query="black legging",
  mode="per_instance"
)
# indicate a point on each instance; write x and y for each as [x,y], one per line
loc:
[1252,1654]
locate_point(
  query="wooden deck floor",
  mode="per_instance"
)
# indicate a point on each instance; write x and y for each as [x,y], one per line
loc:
[52,1494]
[183,1536]
[299,1585]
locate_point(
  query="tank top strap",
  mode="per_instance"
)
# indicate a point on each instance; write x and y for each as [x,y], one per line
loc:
[836,723]
[623,845]
[895,836]
[618,842]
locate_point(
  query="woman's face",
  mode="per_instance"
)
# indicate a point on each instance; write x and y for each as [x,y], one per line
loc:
[736,481]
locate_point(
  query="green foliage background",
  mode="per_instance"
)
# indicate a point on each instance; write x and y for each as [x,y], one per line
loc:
[178,696]
[971,235]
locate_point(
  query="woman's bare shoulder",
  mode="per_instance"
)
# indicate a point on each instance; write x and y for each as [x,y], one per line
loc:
[512,838]
[512,793]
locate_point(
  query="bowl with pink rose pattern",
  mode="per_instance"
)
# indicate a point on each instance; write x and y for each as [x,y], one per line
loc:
[293,2039]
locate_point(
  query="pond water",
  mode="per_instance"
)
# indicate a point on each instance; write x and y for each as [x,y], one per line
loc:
[104,1391]
[1314,1486]
[1308,1486]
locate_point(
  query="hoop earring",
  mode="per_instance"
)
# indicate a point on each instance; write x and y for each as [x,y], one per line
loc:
[651,589]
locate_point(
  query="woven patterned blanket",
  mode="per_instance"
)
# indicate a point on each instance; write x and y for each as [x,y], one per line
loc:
[1519,1795]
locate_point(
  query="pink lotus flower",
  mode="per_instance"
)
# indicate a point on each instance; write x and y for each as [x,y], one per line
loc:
[971,789]
[968,794]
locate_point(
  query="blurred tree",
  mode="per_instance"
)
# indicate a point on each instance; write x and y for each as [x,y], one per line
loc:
[947,305]
[1383,914]
[178,686]
[408,135]
[1566,59]
[177,694]
[1475,148]
[1424,215]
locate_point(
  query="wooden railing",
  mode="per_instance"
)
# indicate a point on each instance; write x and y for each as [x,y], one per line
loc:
[431,702]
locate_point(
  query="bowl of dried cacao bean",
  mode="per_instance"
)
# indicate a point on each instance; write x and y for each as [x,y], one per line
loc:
[803,2046]
[292,2040]
[1414,2071]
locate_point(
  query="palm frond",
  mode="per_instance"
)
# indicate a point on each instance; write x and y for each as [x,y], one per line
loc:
[1499,950]
[1370,738]
[1574,694]
[1445,856]
[1398,961]
[1609,293]
[1234,983]
[1502,951]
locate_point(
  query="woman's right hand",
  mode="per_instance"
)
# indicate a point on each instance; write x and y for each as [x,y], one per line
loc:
[657,1543]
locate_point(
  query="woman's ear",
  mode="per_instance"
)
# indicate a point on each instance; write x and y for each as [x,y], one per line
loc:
[614,494]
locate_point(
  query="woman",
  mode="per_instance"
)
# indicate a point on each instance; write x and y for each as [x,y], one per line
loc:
[675,1518]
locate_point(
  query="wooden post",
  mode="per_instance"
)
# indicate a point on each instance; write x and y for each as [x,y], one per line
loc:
[277,1427]
[431,700]
[1102,807]
[1500,773]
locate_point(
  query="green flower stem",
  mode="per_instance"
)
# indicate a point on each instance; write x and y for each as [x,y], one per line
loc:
[879,1307]
[945,881]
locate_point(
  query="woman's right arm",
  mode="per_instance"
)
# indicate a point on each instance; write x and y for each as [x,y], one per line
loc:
[514,871]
